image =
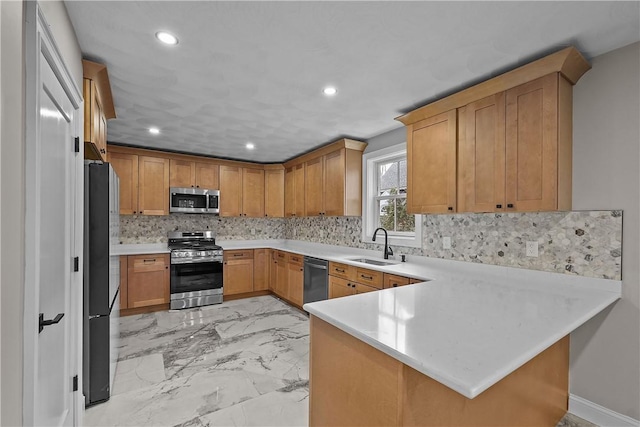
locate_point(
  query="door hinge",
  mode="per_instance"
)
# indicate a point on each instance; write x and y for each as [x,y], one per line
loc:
[75,383]
[76,264]
[76,144]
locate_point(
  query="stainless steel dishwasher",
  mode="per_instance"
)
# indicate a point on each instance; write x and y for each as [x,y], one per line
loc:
[316,283]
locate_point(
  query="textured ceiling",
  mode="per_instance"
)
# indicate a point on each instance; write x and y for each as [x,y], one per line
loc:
[254,71]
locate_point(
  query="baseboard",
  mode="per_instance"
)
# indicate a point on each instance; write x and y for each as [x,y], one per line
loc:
[599,415]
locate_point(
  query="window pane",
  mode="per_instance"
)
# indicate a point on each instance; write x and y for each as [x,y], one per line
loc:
[387,175]
[406,221]
[386,208]
[403,173]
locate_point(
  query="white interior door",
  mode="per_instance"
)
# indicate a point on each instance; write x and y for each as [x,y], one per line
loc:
[51,347]
[53,381]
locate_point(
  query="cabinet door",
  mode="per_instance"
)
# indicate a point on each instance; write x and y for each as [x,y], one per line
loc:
[290,191]
[207,176]
[237,276]
[361,288]
[482,156]
[393,281]
[153,190]
[296,279]
[282,279]
[299,190]
[532,145]
[126,166]
[124,284]
[252,192]
[147,280]
[273,270]
[102,146]
[88,92]
[230,191]
[261,260]
[334,183]
[340,287]
[274,193]
[431,164]
[314,187]
[182,173]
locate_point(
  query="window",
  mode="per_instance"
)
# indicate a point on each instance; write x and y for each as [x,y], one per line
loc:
[385,197]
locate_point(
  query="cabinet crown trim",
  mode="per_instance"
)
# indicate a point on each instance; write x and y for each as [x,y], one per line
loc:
[98,73]
[350,144]
[569,62]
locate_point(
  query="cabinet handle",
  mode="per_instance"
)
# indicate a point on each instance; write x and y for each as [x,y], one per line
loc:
[238,254]
[499,206]
[395,285]
[149,260]
[450,208]
[366,277]
[510,205]
[166,267]
[197,186]
[339,270]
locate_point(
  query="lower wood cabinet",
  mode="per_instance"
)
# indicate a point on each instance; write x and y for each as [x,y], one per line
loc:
[295,278]
[147,280]
[339,287]
[261,264]
[273,270]
[282,277]
[238,272]
[393,281]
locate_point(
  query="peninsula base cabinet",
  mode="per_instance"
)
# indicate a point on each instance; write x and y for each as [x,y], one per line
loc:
[237,272]
[144,283]
[352,383]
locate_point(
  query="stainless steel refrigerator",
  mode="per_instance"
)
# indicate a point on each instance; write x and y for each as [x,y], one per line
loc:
[101,281]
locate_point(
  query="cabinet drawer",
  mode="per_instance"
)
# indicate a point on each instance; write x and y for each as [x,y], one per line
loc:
[240,254]
[393,281]
[281,255]
[152,262]
[342,270]
[295,259]
[369,277]
[361,289]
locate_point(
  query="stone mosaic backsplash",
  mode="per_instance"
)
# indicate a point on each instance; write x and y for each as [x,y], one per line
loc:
[582,243]
[153,229]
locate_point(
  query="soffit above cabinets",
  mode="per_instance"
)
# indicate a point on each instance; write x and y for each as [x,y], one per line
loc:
[254,71]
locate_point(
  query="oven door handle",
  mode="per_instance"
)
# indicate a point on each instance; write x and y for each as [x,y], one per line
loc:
[175,261]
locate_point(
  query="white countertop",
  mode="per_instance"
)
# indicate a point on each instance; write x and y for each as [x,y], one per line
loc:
[468,327]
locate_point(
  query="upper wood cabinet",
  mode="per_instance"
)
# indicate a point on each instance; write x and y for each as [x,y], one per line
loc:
[332,181]
[185,174]
[98,107]
[144,183]
[252,192]
[230,191]
[513,139]
[274,192]
[294,190]
[431,164]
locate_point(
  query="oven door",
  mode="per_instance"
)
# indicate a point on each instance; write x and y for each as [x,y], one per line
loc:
[203,277]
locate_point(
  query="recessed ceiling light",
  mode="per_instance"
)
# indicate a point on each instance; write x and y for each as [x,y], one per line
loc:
[166,38]
[329,91]
[154,131]
[250,146]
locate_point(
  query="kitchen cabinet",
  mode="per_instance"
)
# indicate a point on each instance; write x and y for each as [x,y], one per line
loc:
[345,280]
[261,263]
[147,280]
[339,287]
[238,271]
[333,184]
[185,174]
[253,192]
[274,192]
[361,288]
[126,166]
[153,185]
[344,271]
[282,275]
[368,277]
[513,137]
[124,284]
[273,271]
[514,155]
[230,191]
[98,107]
[144,183]
[431,164]
[393,281]
[295,190]
[295,279]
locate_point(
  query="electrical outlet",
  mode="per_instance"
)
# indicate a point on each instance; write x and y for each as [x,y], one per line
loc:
[446,242]
[253,231]
[532,249]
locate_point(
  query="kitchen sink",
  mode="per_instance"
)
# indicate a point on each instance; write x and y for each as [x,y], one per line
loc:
[372,261]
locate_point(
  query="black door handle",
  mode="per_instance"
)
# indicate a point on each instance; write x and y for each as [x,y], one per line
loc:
[42,323]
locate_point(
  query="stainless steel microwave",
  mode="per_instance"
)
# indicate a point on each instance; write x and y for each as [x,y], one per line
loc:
[194,200]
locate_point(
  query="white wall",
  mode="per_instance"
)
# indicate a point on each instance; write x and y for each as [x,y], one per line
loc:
[605,352]
[12,214]
[12,182]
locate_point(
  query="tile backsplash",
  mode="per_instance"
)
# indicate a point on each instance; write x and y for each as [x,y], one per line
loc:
[582,243]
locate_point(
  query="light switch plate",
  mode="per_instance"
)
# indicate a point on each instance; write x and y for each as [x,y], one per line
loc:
[532,249]
[446,242]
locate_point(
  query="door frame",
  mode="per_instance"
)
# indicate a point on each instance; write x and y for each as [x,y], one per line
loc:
[39,39]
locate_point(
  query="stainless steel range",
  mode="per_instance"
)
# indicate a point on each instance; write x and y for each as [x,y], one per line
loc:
[196,269]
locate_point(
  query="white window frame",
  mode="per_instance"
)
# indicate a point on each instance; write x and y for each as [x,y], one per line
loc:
[369,198]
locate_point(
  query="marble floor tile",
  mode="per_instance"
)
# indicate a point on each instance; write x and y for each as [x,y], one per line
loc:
[137,373]
[241,363]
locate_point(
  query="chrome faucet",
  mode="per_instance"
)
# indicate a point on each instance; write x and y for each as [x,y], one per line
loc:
[387,248]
